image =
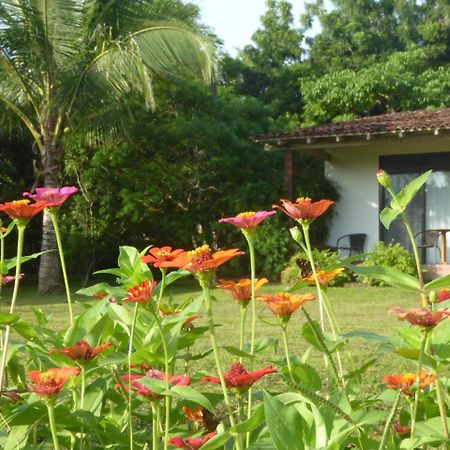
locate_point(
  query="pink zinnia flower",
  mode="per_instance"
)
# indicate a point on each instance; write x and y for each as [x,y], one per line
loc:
[142,389]
[190,443]
[250,219]
[422,317]
[303,209]
[54,197]
[10,278]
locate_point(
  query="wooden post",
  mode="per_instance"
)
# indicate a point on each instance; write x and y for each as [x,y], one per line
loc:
[289,171]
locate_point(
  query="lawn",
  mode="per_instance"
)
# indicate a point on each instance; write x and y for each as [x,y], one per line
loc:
[357,308]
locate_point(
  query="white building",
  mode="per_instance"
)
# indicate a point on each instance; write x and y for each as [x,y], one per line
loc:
[405,144]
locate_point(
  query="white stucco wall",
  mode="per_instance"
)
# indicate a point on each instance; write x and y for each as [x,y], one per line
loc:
[353,170]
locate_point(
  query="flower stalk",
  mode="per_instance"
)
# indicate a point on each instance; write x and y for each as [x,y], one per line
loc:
[130,351]
[162,287]
[389,420]
[53,216]
[243,311]
[20,239]
[52,422]
[204,283]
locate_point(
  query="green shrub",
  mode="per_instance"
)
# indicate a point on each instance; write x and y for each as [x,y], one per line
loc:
[391,255]
[323,258]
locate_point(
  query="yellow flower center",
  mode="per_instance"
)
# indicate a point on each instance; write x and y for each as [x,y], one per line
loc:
[45,377]
[20,202]
[200,254]
[409,377]
[303,200]
[283,295]
[163,254]
[246,214]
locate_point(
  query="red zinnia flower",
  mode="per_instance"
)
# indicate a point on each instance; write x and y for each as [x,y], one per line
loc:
[54,197]
[249,219]
[443,295]
[401,430]
[10,278]
[141,293]
[22,209]
[102,295]
[141,389]
[422,317]
[239,377]
[304,210]
[158,255]
[202,259]
[283,304]
[241,291]
[82,351]
[51,381]
[404,381]
[190,443]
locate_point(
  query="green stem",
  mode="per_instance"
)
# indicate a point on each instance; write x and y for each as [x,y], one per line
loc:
[2,258]
[305,228]
[251,249]
[212,335]
[130,351]
[166,381]
[441,404]
[416,396]
[20,239]
[155,425]
[52,422]
[389,420]
[82,394]
[53,217]
[242,337]
[286,348]
[162,287]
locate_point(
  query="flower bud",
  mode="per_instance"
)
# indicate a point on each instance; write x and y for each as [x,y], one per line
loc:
[384,178]
[433,297]
[296,235]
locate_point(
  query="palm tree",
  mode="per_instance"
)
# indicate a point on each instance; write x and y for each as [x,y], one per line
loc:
[71,64]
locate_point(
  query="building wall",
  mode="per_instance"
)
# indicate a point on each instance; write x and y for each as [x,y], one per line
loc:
[353,169]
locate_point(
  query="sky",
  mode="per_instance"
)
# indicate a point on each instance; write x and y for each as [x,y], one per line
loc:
[234,21]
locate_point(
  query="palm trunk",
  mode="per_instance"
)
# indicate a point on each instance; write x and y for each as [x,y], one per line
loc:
[50,280]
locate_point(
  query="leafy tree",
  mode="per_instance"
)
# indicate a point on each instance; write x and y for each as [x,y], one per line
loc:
[74,64]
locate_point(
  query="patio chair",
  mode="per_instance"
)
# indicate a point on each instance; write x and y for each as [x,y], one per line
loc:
[428,239]
[353,243]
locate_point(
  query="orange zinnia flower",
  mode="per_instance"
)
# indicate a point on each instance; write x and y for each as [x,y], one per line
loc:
[51,381]
[187,325]
[241,291]
[158,255]
[404,381]
[422,317]
[82,351]
[141,293]
[304,210]
[249,219]
[239,377]
[324,277]
[22,209]
[202,259]
[284,304]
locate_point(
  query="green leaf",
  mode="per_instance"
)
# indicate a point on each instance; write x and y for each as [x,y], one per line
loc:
[284,423]
[8,318]
[405,196]
[17,438]
[217,441]
[11,263]
[189,393]
[306,374]
[236,352]
[387,216]
[368,335]
[391,276]
[438,283]
[25,329]
[255,420]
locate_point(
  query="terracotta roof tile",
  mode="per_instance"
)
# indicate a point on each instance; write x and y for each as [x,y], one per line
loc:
[385,123]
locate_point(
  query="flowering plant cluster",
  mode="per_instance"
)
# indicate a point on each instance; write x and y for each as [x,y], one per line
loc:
[124,373]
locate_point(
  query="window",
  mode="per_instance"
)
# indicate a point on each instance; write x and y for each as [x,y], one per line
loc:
[430,209]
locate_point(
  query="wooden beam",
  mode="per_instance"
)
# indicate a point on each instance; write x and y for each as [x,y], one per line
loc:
[289,171]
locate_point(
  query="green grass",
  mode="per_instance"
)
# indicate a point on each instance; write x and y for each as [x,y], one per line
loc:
[357,308]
